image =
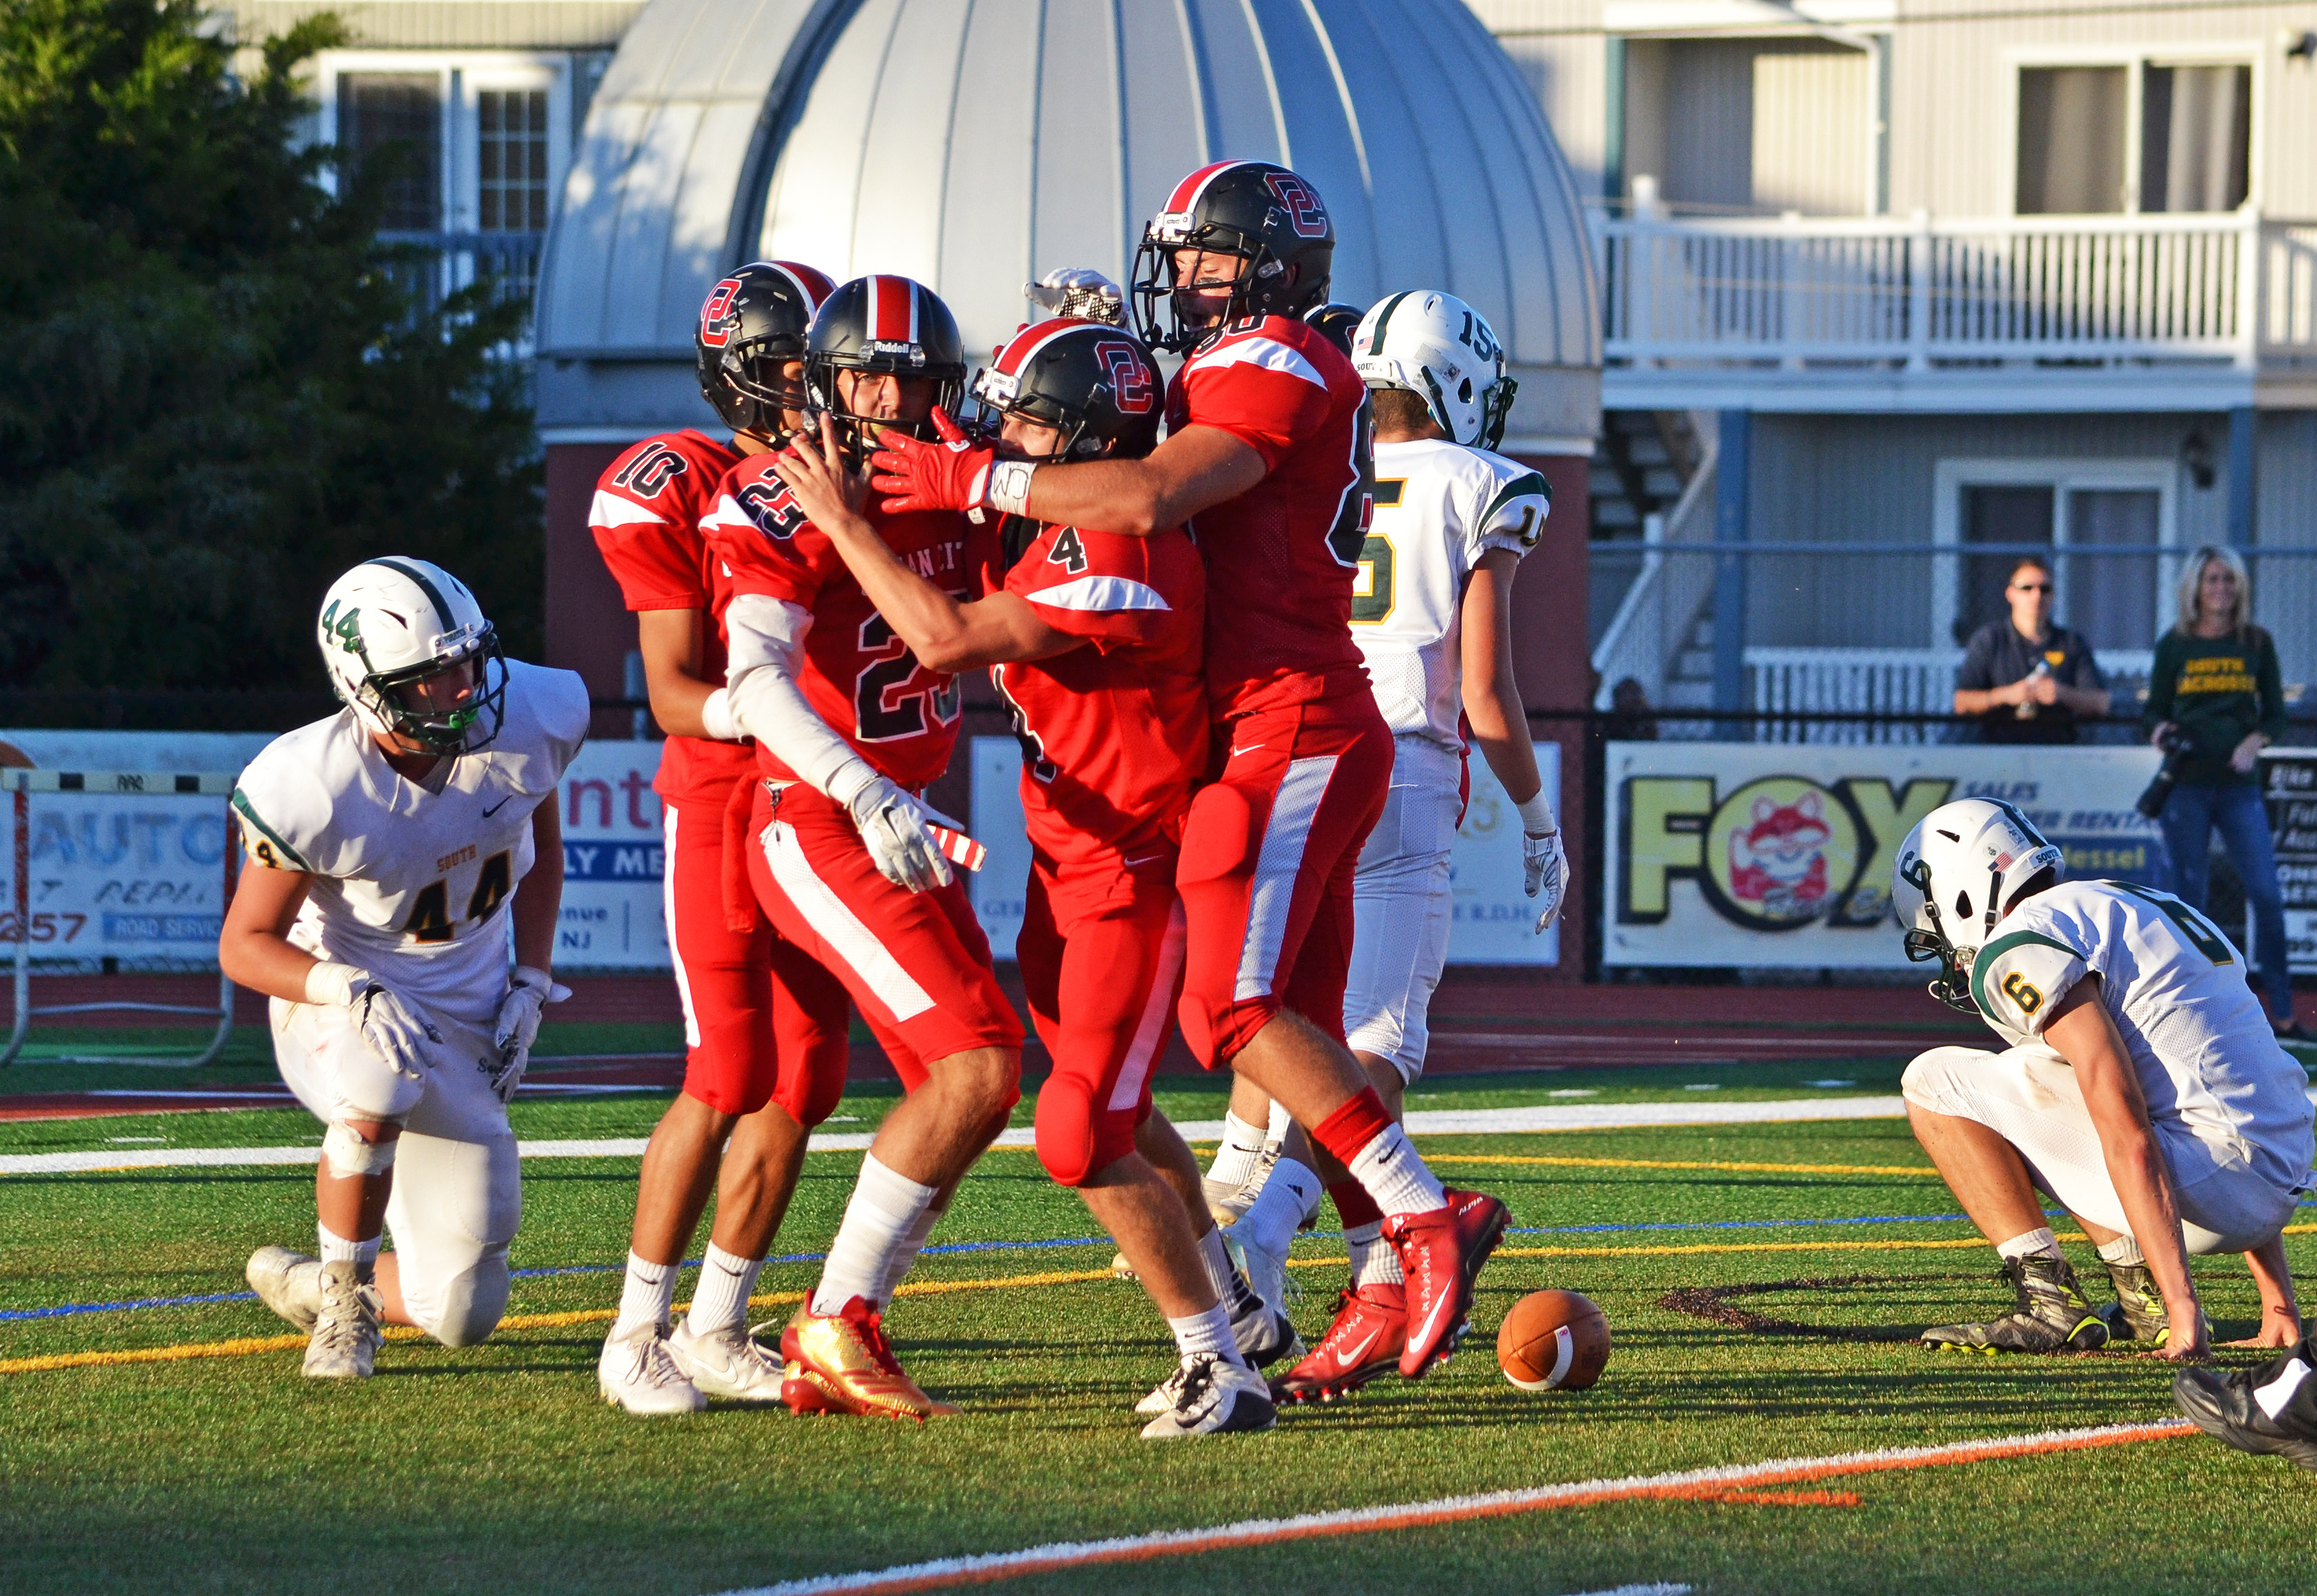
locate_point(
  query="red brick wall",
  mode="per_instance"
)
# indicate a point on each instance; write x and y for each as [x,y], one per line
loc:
[588,630]
[1555,670]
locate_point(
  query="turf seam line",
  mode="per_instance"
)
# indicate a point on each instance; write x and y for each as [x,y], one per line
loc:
[989,1568]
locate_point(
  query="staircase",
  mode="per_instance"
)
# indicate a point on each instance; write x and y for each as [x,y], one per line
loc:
[1646,458]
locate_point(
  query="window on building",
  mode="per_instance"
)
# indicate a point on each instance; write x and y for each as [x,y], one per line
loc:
[395,119]
[2146,136]
[2115,599]
[511,154]
[2008,514]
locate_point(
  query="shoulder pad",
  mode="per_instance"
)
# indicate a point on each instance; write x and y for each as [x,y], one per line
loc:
[2017,977]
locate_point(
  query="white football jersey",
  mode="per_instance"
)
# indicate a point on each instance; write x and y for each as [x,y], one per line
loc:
[2176,988]
[1439,506]
[412,881]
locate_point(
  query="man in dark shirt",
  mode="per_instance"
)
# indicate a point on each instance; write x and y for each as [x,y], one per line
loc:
[2025,679]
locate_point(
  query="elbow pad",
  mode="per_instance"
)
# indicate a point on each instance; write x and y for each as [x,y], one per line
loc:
[766,651]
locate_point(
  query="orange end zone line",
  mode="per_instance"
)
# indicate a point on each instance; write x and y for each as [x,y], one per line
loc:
[991,1568]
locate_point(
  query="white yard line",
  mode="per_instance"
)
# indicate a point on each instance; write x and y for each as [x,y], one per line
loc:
[1056,1556]
[1437,1122]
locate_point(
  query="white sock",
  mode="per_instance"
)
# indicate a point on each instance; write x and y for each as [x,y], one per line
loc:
[905,1256]
[1276,1128]
[720,1301]
[1242,1147]
[2123,1252]
[1209,1332]
[877,1222]
[1375,1262]
[337,1249]
[1395,1177]
[1290,1194]
[647,1297]
[1230,1290]
[2273,1396]
[2033,1244]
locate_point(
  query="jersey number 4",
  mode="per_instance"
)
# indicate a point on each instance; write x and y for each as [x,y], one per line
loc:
[884,707]
[430,912]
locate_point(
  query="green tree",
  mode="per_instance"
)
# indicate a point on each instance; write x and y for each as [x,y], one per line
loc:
[216,389]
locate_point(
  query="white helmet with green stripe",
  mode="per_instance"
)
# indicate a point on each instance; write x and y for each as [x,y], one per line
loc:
[390,630]
[1966,861]
[1444,351]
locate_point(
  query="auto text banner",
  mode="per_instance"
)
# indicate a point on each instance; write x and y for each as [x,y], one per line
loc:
[1780,854]
[615,858]
[1493,918]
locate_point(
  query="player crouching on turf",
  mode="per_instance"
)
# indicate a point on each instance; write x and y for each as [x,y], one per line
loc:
[1095,641]
[2143,1090]
[392,845]
[850,727]
[1434,620]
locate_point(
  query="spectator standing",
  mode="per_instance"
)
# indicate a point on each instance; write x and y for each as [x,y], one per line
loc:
[2214,683]
[2025,679]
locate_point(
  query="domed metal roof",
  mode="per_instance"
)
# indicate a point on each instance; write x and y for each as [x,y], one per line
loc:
[974,147]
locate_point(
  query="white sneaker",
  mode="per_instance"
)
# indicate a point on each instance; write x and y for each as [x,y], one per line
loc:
[288,1282]
[726,1363]
[1165,1393]
[636,1373]
[346,1334]
[1266,1273]
[1213,1397]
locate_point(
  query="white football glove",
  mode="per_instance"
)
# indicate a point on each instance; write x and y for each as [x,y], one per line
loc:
[1547,871]
[395,1033]
[528,991]
[892,827]
[1080,292]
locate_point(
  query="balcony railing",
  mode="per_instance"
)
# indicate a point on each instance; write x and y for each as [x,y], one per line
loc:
[1923,294]
[508,261]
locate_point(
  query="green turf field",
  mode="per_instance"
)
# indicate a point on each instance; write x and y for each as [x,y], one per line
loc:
[495,1469]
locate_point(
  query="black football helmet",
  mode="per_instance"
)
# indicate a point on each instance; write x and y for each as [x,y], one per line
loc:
[1266,216]
[1092,382]
[1336,322]
[883,324]
[752,323]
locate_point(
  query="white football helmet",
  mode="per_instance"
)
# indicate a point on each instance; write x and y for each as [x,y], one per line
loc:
[1442,350]
[1965,860]
[392,622]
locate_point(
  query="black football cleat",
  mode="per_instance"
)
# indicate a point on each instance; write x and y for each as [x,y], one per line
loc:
[2223,1405]
[2053,1316]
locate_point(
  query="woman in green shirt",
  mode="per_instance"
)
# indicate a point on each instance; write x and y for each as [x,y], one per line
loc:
[2215,683]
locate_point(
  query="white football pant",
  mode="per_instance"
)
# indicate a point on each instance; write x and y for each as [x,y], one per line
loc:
[1402,907]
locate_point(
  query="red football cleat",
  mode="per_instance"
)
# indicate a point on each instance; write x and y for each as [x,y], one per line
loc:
[1441,1253]
[1371,1328]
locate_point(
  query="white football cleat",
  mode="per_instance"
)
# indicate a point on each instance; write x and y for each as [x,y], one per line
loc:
[636,1373]
[726,1363]
[288,1282]
[1213,1397]
[346,1334]
[1165,1393]
[1266,1273]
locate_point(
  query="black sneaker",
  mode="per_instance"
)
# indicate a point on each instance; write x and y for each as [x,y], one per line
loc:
[2221,1404]
[2053,1316]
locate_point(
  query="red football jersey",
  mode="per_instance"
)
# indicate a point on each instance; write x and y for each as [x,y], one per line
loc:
[858,676]
[1281,557]
[645,517]
[1114,734]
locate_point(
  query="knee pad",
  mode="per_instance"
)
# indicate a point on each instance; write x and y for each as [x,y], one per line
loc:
[1066,1131]
[811,1087]
[1930,1077]
[349,1155]
[1220,835]
[471,1306]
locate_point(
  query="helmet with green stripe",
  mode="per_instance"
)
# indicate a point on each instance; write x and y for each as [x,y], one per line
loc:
[1445,352]
[409,651]
[1962,868]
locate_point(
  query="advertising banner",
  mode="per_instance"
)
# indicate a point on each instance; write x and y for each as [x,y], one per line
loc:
[1493,918]
[1780,854]
[614,857]
[2288,783]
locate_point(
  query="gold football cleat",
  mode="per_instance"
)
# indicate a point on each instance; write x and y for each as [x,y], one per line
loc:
[842,1363]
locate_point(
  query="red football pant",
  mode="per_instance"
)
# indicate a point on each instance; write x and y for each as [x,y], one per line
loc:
[762,1022]
[917,964]
[1268,855]
[1101,951]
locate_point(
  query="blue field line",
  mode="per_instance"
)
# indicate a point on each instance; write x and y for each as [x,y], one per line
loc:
[953,1249]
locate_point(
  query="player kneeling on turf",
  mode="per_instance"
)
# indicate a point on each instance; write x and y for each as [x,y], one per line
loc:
[1094,640]
[2142,1090]
[388,843]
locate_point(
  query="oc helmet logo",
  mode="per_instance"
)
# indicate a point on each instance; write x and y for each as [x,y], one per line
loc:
[1133,386]
[715,330]
[1305,214]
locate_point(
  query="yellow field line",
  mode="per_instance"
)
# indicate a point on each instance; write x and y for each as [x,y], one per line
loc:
[1920,1172]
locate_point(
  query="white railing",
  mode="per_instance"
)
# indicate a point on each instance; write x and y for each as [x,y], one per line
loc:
[1881,681]
[1666,596]
[1921,292]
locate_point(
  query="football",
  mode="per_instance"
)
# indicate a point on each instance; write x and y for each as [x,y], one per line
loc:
[1554,1341]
